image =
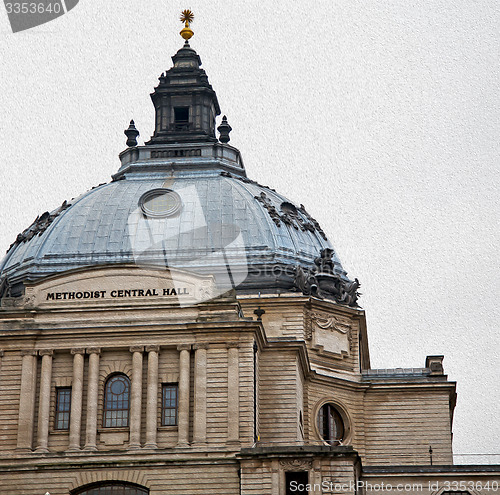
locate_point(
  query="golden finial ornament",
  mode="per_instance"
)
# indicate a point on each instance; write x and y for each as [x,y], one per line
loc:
[187,16]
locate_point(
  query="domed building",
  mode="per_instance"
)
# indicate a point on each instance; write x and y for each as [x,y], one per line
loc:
[184,329]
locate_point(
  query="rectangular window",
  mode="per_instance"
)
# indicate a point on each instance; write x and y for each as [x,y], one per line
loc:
[181,118]
[63,408]
[181,115]
[170,392]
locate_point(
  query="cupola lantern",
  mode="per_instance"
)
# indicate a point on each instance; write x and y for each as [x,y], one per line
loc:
[186,104]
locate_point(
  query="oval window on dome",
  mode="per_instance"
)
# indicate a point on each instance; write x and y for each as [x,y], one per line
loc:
[160,203]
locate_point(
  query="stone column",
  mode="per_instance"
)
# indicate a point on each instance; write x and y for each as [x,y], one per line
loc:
[44,403]
[183,421]
[92,397]
[152,397]
[136,398]
[315,476]
[200,395]
[27,401]
[75,418]
[233,394]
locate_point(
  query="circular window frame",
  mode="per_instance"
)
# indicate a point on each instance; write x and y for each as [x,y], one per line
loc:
[153,193]
[344,415]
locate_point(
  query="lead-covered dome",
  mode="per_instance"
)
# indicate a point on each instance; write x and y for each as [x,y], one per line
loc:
[207,221]
[182,200]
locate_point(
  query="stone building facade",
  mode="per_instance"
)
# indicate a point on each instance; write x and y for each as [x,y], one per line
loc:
[186,330]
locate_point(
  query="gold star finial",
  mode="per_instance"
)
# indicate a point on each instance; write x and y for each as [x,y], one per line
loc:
[187,16]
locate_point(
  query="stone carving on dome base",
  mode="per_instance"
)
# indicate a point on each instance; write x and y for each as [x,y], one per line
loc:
[296,464]
[289,213]
[313,222]
[266,202]
[324,283]
[290,216]
[39,226]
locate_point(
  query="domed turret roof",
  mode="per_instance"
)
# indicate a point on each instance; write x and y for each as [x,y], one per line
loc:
[183,200]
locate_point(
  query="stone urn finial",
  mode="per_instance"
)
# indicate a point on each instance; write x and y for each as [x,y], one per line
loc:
[224,130]
[131,134]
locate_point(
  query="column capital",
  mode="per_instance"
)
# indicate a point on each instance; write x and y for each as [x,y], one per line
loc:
[78,350]
[232,345]
[152,348]
[46,352]
[93,350]
[200,345]
[136,348]
[28,352]
[184,347]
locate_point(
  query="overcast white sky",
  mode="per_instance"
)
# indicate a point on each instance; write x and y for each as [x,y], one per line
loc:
[382,118]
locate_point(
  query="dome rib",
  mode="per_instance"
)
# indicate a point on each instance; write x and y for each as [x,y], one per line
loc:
[267,220]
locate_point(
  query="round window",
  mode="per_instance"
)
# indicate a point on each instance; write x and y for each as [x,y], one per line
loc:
[118,386]
[160,203]
[331,425]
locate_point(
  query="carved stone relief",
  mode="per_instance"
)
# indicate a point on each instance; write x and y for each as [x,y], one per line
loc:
[330,334]
[296,464]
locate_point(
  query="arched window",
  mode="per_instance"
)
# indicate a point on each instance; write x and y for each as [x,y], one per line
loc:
[116,402]
[112,488]
[330,424]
